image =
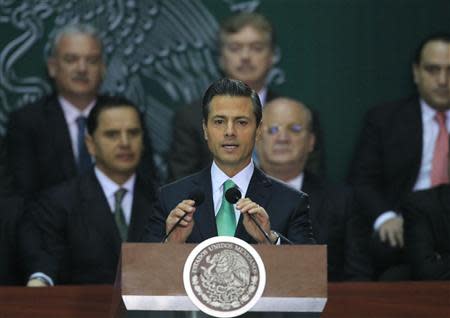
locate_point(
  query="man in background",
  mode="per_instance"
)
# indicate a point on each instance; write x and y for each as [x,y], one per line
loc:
[45,140]
[286,142]
[403,148]
[83,222]
[247,52]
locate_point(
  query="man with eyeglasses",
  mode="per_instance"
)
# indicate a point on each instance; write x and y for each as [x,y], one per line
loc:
[286,142]
[246,53]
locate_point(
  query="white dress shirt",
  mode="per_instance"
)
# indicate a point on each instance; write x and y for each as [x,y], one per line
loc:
[109,189]
[241,180]
[430,129]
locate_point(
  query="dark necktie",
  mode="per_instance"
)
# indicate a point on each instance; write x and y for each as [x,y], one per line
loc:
[226,218]
[84,159]
[119,216]
[439,172]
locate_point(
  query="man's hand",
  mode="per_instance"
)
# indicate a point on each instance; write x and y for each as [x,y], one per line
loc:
[392,232]
[246,207]
[36,282]
[184,228]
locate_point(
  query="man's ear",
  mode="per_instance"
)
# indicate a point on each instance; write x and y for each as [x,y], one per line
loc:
[415,71]
[51,67]
[258,131]
[205,134]
[311,142]
[90,145]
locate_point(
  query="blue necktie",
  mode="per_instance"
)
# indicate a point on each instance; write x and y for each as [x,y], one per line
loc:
[84,159]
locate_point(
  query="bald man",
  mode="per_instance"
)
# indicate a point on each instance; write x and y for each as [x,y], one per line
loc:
[286,142]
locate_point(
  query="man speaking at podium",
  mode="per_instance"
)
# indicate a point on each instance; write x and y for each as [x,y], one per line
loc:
[194,208]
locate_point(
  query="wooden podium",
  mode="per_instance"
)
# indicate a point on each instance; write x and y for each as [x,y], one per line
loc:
[151,278]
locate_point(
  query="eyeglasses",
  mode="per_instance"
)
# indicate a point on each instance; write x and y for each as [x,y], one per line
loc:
[293,128]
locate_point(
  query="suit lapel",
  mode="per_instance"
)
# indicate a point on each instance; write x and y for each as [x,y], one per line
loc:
[61,138]
[313,187]
[141,210]
[204,216]
[98,212]
[258,191]
[413,118]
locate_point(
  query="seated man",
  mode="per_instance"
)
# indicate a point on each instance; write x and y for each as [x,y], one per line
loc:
[83,222]
[246,53]
[427,233]
[231,121]
[403,148]
[286,141]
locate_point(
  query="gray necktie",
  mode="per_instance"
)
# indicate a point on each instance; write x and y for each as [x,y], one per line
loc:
[119,216]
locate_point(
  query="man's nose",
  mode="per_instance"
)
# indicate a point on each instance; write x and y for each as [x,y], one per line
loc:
[124,139]
[283,134]
[230,129]
[245,52]
[82,65]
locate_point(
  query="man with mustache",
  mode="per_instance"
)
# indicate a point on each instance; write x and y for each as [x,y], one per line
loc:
[247,53]
[403,148]
[45,140]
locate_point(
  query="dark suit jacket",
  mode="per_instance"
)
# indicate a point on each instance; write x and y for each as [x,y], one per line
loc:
[80,239]
[189,151]
[427,233]
[40,151]
[11,210]
[335,223]
[287,208]
[387,159]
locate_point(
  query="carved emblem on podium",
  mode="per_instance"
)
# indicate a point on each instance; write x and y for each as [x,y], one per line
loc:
[224,276]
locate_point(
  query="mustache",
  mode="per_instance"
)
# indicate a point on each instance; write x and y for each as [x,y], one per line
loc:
[80,77]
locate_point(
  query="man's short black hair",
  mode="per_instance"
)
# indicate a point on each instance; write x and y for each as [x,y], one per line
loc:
[231,87]
[109,102]
[439,37]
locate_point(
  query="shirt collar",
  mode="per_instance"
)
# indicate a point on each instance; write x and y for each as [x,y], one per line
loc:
[241,179]
[297,182]
[110,187]
[429,112]
[71,112]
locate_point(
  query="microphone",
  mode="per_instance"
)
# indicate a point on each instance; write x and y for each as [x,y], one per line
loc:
[197,196]
[233,195]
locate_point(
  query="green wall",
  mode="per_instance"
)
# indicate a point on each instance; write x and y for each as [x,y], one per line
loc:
[343,56]
[339,56]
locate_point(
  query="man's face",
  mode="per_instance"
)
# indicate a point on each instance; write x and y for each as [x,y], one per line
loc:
[247,56]
[117,143]
[432,75]
[230,131]
[77,66]
[285,138]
